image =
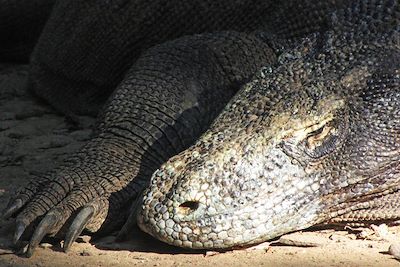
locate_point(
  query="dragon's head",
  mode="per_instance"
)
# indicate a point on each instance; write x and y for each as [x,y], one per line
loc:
[292,149]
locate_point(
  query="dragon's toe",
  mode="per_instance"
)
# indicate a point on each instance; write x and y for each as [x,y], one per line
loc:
[77,226]
[46,225]
[24,196]
[13,206]
[58,210]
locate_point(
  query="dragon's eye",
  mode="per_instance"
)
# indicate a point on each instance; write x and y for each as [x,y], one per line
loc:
[317,137]
[324,139]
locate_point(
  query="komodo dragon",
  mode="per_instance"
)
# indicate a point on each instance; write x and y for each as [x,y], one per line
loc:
[310,134]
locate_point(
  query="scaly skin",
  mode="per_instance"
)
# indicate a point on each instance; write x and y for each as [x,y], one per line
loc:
[312,139]
[292,149]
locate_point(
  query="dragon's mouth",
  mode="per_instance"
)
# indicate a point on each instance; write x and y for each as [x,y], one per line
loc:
[189,225]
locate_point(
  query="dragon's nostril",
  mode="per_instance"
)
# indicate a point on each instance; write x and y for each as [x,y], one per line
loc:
[188,207]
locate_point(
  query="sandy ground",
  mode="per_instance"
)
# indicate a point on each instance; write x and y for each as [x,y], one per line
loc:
[34,138]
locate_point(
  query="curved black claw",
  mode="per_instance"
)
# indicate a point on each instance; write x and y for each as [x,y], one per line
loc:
[45,226]
[20,227]
[77,226]
[12,207]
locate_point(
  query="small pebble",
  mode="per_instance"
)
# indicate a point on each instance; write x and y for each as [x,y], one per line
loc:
[366,233]
[394,250]
[211,253]
[381,231]
[45,245]
[85,253]
[263,246]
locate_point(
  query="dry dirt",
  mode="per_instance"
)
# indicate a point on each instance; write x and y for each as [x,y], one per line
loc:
[34,138]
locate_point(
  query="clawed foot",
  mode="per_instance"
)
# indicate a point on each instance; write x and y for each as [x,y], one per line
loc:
[64,207]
